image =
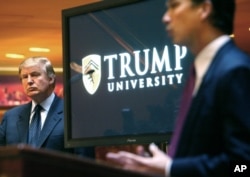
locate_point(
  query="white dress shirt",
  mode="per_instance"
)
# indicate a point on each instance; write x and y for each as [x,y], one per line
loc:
[46,106]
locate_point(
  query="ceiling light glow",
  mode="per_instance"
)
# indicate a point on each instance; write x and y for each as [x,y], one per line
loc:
[14,55]
[38,49]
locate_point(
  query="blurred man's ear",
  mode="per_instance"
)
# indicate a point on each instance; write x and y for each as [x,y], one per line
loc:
[206,9]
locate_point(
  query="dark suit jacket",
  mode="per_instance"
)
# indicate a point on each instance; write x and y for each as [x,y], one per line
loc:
[15,125]
[217,127]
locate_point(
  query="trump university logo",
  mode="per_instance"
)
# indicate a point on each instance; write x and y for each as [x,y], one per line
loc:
[91,73]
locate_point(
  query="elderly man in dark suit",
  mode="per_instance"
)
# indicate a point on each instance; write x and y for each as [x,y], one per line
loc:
[45,129]
[212,132]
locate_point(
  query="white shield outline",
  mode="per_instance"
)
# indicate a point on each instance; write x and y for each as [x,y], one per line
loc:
[91,73]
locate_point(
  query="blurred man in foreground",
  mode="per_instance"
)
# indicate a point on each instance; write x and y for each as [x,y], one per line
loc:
[213,127]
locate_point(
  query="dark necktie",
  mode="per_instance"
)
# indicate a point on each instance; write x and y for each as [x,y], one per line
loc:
[184,107]
[35,126]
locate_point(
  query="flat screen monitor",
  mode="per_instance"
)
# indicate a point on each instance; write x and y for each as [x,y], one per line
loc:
[123,76]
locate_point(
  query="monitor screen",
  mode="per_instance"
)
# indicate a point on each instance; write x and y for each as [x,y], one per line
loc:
[123,76]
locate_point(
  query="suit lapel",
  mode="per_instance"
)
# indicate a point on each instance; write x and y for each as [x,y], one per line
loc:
[217,63]
[23,123]
[194,113]
[53,117]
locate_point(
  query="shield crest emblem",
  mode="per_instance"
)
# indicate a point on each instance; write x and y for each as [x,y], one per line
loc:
[91,73]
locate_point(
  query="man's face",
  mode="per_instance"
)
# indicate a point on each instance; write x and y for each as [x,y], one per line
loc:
[181,20]
[35,82]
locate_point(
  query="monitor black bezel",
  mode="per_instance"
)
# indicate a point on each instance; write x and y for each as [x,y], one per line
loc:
[97,141]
